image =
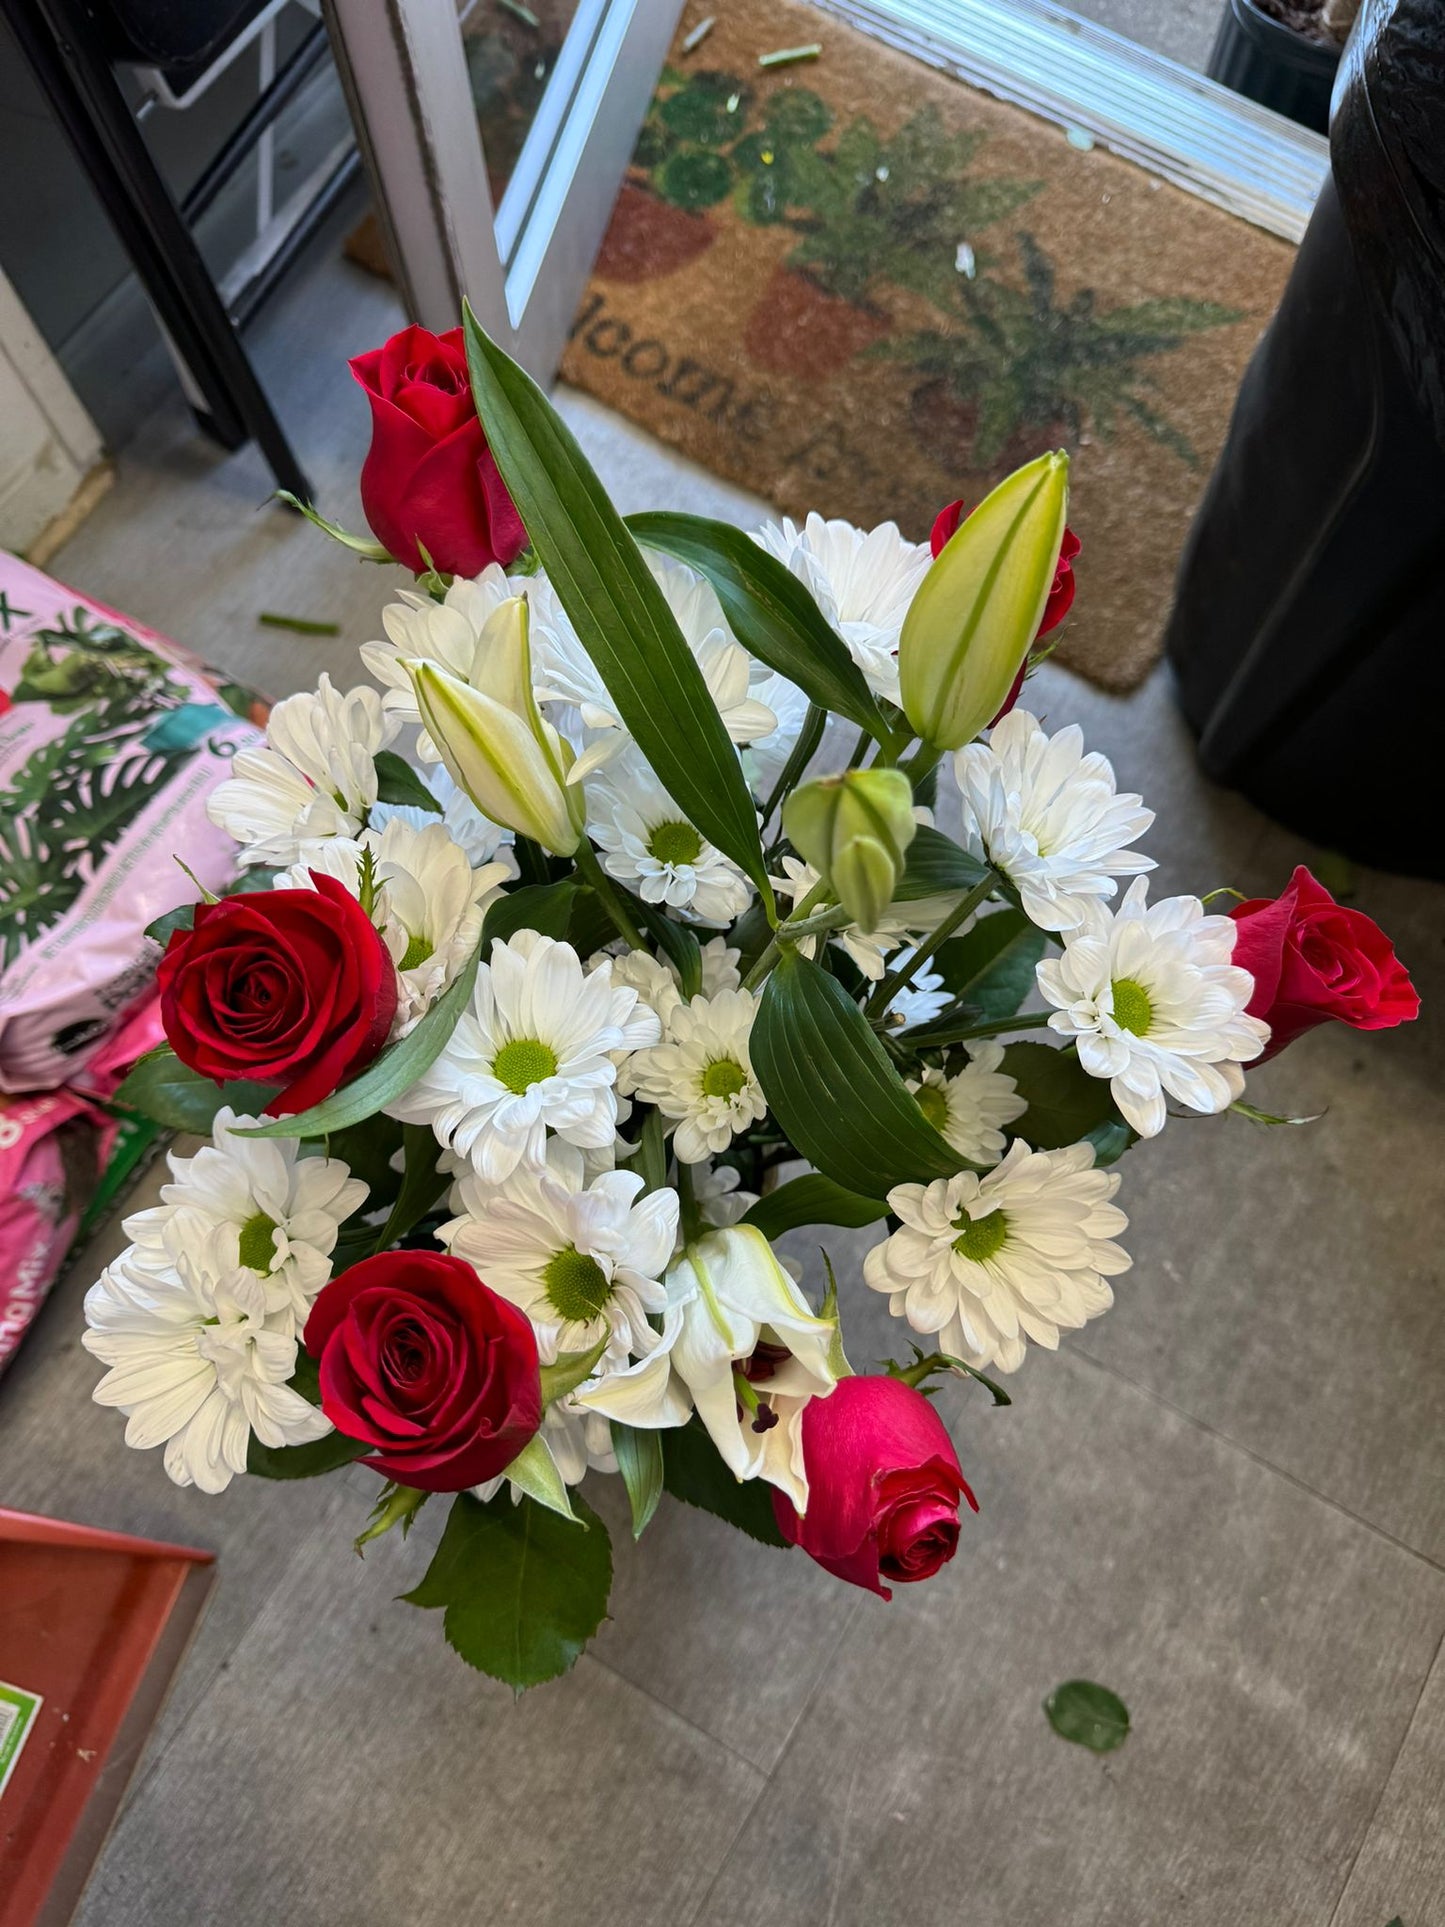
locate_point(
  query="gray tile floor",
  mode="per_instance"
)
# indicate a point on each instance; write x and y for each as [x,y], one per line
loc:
[1225,1500]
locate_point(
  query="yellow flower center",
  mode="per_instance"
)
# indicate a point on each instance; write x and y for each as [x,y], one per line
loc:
[576,1286]
[675,843]
[979,1239]
[724,1078]
[523,1062]
[258,1243]
[932,1100]
[418,949]
[1133,1007]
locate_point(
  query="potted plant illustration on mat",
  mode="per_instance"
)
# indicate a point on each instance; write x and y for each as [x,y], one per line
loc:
[1019,369]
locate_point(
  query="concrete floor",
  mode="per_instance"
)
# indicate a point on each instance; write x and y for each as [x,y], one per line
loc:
[1224,1500]
[1182,29]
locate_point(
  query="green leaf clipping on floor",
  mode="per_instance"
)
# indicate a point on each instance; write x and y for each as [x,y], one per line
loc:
[1088,1714]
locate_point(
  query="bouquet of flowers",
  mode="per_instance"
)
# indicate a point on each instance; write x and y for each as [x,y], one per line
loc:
[518,1054]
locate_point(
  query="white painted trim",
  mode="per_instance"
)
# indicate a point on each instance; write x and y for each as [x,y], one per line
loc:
[48,443]
[1189,130]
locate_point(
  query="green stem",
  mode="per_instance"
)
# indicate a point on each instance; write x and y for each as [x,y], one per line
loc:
[783,933]
[687,1204]
[895,980]
[924,760]
[809,737]
[865,737]
[588,867]
[940,1032]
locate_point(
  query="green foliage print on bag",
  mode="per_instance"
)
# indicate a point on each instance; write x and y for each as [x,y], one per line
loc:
[130,728]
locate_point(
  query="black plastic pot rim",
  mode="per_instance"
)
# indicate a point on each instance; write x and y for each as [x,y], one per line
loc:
[1284,43]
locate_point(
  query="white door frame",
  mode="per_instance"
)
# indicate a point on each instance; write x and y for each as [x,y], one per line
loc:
[522,265]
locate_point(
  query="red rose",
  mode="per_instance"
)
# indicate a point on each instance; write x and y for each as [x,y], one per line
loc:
[884,1484]
[1061,595]
[289,987]
[1313,959]
[430,481]
[423,1361]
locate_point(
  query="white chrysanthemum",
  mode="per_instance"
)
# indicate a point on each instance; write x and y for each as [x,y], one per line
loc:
[648,844]
[535,1052]
[448,633]
[582,1257]
[921,1000]
[718,1197]
[701,1074]
[764,759]
[971,1108]
[429,904]
[987,1261]
[1048,816]
[316,777]
[199,1363]
[1155,1005]
[657,982]
[480,839]
[563,672]
[250,1203]
[862,579]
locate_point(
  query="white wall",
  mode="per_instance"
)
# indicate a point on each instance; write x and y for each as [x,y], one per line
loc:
[49,445]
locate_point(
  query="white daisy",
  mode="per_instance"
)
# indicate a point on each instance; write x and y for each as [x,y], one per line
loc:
[316,777]
[1156,1006]
[987,1261]
[534,1052]
[1049,818]
[863,580]
[199,1362]
[253,1204]
[716,1193]
[657,982]
[450,633]
[563,672]
[764,759]
[921,1000]
[648,844]
[971,1108]
[701,1074]
[582,1257]
[429,904]
[480,839]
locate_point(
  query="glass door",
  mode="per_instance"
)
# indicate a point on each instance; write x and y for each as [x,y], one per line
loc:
[497,133]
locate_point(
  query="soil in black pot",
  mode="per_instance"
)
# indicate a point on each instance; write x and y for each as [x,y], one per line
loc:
[1304,17]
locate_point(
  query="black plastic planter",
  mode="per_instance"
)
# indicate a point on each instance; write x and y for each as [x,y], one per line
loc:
[1271,63]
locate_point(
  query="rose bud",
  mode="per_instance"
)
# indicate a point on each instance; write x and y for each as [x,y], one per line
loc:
[495,741]
[1314,960]
[972,623]
[288,987]
[429,480]
[854,830]
[884,1485]
[422,1361]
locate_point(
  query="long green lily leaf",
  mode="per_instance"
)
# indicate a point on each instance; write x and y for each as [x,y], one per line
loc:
[396,1070]
[770,611]
[617,609]
[812,1199]
[829,1083]
[935,866]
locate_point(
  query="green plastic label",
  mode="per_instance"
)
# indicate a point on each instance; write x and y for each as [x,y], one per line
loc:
[18,1711]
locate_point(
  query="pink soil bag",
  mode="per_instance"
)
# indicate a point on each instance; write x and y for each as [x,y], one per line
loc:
[111,739]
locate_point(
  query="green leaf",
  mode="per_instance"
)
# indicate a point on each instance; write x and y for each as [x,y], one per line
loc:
[181,918]
[811,1199]
[991,967]
[535,1472]
[1089,1715]
[546,907]
[522,1589]
[366,1150]
[639,1459]
[364,546]
[398,782]
[160,1086]
[693,1472]
[769,610]
[307,1461]
[394,1071]
[831,1087]
[422,1185]
[1065,1103]
[935,866]
[569,1370]
[616,607]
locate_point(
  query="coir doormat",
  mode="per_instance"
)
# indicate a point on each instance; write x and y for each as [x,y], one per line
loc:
[859,285]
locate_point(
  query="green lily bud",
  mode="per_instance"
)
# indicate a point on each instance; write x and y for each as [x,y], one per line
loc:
[979,607]
[494,740]
[854,829]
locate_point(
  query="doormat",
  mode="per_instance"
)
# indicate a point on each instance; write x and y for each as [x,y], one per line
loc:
[859,285]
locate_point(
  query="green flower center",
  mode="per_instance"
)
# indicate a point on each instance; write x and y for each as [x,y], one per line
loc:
[418,949]
[980,1239]
[932,1100]
[523,1062]
[724,1078]
[675,843]
[576,1286]
[258,1243]
[1133,1006]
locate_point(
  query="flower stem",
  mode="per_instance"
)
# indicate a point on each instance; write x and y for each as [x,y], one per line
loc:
[924,760]
[942,1032]
[784,932]
[687,1204]
[895,980]
[610,899]
[809,737]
